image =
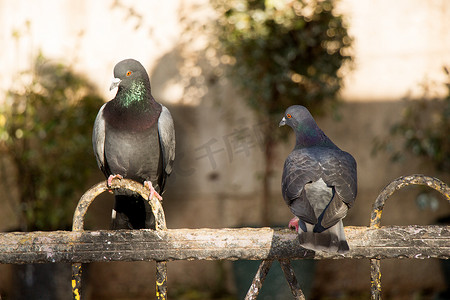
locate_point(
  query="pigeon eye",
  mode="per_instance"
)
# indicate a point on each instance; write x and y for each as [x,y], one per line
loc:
[288,116]
[128,73]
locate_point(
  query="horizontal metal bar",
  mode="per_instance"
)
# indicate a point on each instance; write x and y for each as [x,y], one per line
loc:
[216,244]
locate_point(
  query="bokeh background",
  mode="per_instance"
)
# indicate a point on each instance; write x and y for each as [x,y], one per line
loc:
[390,110]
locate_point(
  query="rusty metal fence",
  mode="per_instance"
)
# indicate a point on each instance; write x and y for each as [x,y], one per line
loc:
[161,245]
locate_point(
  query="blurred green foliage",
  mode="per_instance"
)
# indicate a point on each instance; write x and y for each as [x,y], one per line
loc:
[424,129]
[284,52]
[45,128]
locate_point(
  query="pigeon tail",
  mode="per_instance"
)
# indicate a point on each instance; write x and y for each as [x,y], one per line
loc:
[132,212]
[330,240]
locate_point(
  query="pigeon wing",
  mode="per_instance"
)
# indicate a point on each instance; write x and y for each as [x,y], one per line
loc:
[98,140]
[166,131]
[299,170]
[339,169]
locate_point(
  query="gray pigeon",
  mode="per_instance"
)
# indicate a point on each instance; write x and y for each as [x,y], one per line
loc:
[134,138]
[318,184]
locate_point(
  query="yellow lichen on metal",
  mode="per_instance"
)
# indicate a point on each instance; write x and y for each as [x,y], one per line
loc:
[160,283]
[375,219]
[160,296]
[377,282]
[75,291]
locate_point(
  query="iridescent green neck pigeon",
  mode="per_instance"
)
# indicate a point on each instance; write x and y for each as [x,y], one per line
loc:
[134,138]
[318,184]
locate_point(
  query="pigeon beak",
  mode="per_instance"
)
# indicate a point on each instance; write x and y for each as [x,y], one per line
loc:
[282,122]
[115,83]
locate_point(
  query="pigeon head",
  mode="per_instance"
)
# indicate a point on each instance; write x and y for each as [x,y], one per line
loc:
[127,73]
[306,130]
[297,116]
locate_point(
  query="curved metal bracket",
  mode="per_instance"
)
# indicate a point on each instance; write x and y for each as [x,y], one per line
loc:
[375,218]
[78,225]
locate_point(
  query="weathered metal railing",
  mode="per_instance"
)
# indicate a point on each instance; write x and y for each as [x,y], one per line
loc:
[160,224]
[375,218]
[413,241]
[266,244]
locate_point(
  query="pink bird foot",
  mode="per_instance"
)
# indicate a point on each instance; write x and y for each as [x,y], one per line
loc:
[293,224]
[111,177]
[148,184]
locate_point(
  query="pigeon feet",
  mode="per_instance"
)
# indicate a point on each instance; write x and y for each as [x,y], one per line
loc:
[148,184]
[111,177]
[293,224]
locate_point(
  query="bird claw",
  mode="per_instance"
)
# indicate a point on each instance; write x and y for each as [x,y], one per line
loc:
[293,224]
[148,184]
[111,177]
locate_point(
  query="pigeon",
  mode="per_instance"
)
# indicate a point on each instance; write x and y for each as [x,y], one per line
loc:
[319,184]
[134,137]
